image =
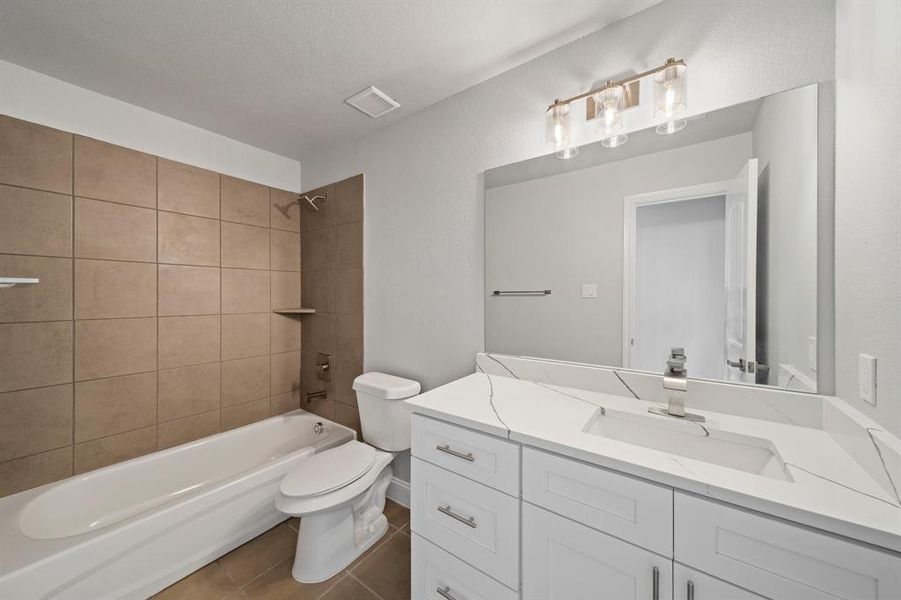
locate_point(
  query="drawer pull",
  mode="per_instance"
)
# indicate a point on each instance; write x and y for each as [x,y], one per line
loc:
[470,522]
[690,591]
[448,450]
[445,592]
[655,582]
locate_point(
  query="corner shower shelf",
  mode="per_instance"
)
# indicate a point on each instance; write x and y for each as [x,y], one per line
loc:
[294,312]
[6,282]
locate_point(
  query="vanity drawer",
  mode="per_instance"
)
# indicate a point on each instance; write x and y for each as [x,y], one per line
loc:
[473,522]
[434,570]
[631,509]
[777,559]
[476,456]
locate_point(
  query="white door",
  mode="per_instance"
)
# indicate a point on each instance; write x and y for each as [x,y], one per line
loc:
[741,275]
[564,560]
[689,584]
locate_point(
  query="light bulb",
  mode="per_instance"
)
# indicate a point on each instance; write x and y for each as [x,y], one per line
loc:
[670,98]
[609,102]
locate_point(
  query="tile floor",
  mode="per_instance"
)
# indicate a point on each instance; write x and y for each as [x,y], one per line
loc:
[261,569]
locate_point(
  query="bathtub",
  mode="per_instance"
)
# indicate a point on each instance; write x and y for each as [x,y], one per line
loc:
[133,528]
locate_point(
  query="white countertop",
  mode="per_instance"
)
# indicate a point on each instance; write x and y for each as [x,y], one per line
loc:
[830,491]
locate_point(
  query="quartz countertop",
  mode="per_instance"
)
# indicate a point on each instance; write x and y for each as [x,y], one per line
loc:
[830,489]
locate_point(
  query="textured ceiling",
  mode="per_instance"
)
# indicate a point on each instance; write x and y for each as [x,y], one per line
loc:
[274,73]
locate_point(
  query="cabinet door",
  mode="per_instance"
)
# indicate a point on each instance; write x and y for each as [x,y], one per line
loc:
[689,584]
[562,559]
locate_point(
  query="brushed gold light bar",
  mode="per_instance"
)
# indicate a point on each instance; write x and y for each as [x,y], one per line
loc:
[628,81]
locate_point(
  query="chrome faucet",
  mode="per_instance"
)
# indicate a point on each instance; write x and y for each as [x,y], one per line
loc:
[675,382]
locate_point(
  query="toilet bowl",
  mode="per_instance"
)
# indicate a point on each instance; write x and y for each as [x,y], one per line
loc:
[340,493]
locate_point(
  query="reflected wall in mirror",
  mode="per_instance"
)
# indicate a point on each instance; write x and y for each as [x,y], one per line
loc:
[705,240]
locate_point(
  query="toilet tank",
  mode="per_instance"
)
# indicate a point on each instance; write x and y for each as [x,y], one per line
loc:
[383,414]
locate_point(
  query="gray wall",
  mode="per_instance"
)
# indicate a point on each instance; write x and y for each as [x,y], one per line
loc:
[424,214]
[562,231]
[868,203]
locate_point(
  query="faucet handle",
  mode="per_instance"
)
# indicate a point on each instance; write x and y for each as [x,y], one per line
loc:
[676,361]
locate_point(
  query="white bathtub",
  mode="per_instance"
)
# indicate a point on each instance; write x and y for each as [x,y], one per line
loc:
[131,529]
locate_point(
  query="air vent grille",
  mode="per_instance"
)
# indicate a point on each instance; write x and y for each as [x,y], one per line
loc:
[372,102]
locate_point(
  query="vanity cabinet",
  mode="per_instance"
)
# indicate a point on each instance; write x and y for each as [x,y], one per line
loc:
[563,559]
[495,520]
[689,584]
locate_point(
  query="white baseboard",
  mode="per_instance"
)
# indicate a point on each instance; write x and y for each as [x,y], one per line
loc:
[399,491]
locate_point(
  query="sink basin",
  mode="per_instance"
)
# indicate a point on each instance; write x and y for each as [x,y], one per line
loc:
[753,455]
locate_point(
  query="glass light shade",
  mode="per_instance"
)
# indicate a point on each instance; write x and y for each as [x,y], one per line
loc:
[609,103]
[671,127]
[614,141]
[670,98]
[558,131]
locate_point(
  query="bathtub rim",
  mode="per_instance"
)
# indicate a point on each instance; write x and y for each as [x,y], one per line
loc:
[31,552]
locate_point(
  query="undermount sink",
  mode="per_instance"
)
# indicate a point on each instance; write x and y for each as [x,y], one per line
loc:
[690,440]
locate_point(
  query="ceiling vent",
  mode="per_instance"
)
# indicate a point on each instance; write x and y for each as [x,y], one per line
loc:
[373,102]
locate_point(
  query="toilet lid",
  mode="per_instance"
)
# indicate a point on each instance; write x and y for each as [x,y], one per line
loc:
[329,470]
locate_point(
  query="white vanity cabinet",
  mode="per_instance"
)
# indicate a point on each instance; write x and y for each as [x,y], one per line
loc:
[689,584]
[465,513]
[563,559]
[493,519]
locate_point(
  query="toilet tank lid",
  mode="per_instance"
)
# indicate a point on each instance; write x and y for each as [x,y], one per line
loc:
[387,387]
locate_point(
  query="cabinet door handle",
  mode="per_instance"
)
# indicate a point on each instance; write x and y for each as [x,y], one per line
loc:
[469,522]
[655,583]
[690,590]
[448,450]
[445,592]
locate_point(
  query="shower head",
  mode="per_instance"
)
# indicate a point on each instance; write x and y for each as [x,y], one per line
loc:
[309,203]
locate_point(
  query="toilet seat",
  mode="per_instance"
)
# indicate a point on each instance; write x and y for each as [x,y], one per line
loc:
[328,471]
[337,496]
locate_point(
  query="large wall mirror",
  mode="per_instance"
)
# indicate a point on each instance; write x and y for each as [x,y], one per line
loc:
[706,239]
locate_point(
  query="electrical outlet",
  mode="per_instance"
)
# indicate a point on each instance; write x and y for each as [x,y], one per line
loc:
[866,378]
[589,290]
[812,353]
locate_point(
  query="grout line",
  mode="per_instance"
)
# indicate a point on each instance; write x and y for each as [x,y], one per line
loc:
[339,580]
[358,580]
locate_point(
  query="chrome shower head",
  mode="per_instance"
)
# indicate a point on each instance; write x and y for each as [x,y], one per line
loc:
[309,203]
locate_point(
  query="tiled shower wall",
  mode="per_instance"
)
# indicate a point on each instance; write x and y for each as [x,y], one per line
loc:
[332,265]
[152,322]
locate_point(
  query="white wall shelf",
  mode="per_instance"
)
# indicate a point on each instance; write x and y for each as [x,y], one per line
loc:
[6,282]
[294,312]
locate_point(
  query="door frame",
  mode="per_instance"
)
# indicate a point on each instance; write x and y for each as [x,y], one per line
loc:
[631,204]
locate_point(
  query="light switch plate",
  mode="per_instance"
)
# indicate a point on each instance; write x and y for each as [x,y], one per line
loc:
[589,290]
[866,378]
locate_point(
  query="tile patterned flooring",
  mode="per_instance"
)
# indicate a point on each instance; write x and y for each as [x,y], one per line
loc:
[261,569]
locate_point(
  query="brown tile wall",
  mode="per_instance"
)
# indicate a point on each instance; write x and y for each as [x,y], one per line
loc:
[152,323]
[332,283]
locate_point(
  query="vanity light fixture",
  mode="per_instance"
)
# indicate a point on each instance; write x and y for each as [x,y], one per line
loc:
[607,103]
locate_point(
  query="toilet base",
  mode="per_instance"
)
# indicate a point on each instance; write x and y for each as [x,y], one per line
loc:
[329,541]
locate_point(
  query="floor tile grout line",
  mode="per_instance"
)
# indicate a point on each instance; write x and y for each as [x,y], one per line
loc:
[360,581]
[374,548]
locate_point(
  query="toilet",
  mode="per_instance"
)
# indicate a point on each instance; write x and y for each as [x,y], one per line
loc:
[340,493]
